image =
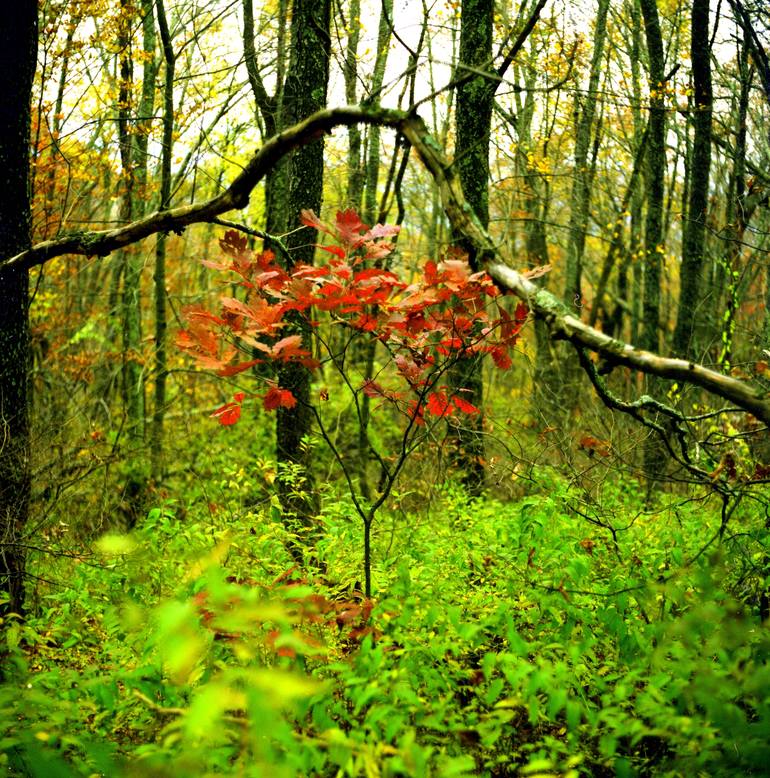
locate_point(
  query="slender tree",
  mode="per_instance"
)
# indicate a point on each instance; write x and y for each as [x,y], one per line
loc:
[580,197]
[656,169]
[654,456]
[694,240]
[373,142]
[159,276]
[355,182]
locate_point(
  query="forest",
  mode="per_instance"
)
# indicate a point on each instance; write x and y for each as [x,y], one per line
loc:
[385,388]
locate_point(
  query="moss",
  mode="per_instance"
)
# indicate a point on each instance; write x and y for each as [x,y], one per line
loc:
[545,302]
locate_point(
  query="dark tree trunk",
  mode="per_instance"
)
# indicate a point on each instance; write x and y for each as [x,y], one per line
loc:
[656,170]
[159,276]
[304,93]
[18,52]
[700,163]
[654,456]
[475,99]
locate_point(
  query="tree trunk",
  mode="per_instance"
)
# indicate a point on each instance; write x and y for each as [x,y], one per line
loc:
[738,214]
[475,98]
[269,107]
[637,198]
[131,310]
[694,238]
[355,183]
[159,276]
[373,156]
[304,92]
[654,456]
[18,47]
[580,197]
[656,169]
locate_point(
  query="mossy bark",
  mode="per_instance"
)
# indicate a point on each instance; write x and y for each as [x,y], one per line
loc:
[304,93]
[475,99]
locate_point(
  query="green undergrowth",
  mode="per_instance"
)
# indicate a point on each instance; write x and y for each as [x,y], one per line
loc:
[542,637]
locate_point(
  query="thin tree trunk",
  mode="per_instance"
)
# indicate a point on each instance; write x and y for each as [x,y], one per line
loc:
[654,456]
[159,276]
[131,309]
[49,229]
[580,197]
[737,215]
[355,184]
[546,383]
[270,108]
[656,170]
[694,239]
[637,198]
[373,157]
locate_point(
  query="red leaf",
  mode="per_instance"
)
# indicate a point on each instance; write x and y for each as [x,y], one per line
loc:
[309,219]
[431,272]
[234,243]
[464,405]
[336,250]
[373,389]
[228,414]
[591,444]
[438,405]
[349,227]
[278,398]
[501,358]
[455,272]
[408,368]
[289,347]
[240,367]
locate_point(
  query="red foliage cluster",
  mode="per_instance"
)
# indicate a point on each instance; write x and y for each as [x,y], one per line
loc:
[349,619]
[450,312]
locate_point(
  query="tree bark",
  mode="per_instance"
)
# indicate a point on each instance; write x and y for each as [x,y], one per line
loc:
[18,53]
[475,100]
[131,205]
[694,238]
[159,276]
[304,93]
[373,149]
[580,197]
[355,185]
[656,169]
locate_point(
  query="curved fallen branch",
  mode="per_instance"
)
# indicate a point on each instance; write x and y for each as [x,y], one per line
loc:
[561,323]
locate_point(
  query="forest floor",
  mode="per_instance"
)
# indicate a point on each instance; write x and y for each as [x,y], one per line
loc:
[542,636]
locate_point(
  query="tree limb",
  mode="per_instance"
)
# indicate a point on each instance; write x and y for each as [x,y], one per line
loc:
[561,324]
[235,197]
